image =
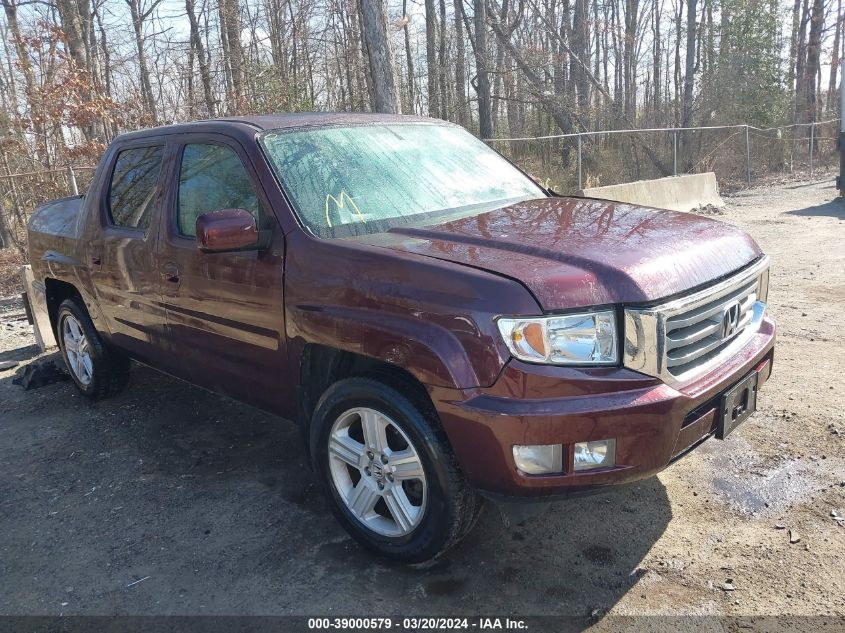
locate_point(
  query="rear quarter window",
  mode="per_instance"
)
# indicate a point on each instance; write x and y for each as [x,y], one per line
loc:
[133,186]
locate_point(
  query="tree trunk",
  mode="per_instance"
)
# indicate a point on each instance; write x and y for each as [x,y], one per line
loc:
[442,71]
[793,46]
[431,64]
[495,89]
[374,16]
[632,8]
[689,67]
[580,41]
[143,68]
[679,16]
[801,61]
[482,88]
[656,61]
[832,94]
[461,106]
[197,46]
[511,109]
[409,59]
[71,23]
[31,87]
[7,239]
[76,21]
[810,96]
[230,27]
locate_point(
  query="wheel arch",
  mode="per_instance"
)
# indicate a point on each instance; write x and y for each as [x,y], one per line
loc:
[322,366]
[57,292]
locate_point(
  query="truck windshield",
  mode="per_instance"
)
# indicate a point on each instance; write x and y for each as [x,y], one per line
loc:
[357,180]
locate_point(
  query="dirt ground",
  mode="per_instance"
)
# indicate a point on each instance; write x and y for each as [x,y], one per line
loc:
[169,500]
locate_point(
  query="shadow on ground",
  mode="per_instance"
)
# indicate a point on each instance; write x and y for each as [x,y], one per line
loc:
[833,209]
[167,499]
[21,354]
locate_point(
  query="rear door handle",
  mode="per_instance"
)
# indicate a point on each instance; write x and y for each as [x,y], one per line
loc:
[170,273]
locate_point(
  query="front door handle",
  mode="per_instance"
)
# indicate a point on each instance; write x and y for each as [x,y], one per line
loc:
[170,273]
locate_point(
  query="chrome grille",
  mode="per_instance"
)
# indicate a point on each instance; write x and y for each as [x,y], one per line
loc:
[694,336]
[681,339]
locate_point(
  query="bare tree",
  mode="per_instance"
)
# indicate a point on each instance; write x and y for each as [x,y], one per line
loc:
[32,93]
[75,72]
[139,14]
[431,59]
[839,27]
[809,97]
[689,67]
[482,86]
[379,52]
[409,58]
[461,109]
[199,50]
[230,34]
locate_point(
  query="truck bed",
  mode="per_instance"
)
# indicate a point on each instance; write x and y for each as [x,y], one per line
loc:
[59,218]
[55,230]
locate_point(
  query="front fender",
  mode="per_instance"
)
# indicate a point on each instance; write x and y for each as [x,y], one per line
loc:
[434,319]
[426,349]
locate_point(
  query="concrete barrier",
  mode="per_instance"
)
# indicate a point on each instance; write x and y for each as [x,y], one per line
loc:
[677,193]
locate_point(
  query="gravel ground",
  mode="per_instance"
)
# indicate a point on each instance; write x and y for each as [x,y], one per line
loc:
[170,500]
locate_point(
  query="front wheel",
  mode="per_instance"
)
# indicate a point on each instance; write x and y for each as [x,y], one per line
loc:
[389,472]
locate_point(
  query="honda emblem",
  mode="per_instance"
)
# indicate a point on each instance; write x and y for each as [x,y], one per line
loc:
[730,320]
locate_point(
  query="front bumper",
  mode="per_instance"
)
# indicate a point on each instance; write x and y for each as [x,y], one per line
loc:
[653,423]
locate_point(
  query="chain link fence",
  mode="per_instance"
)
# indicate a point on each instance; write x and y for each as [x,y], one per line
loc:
[738,154]
[22,192]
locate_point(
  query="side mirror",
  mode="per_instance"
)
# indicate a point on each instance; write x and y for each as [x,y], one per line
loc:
[226,230]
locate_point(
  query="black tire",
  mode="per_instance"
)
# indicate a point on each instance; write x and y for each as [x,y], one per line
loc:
[452,506]
[110,367]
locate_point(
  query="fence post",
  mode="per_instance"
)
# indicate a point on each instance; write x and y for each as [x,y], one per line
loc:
[675,153]
[72,178]
[747,155]
[580,180]
[841,144]
[812,145]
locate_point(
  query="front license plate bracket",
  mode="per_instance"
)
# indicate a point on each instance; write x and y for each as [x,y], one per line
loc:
[737,405]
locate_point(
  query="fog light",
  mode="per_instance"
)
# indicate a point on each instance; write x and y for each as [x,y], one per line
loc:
[539,459]
[598,454]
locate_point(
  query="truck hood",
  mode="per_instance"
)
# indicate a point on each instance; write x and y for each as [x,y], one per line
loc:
[576,252]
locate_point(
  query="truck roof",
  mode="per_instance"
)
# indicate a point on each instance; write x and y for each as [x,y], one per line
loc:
[261,122]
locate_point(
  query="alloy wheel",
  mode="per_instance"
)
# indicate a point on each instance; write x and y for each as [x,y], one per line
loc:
[77,350]
[377,472]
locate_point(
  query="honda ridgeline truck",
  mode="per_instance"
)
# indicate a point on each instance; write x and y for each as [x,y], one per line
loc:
[444,329]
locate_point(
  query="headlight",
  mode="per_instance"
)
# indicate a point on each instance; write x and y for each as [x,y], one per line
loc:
[570,339]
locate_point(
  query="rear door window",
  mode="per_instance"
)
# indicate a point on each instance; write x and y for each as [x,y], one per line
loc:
[133,186]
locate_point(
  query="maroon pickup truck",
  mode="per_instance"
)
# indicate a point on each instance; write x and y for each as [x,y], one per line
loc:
[443,329]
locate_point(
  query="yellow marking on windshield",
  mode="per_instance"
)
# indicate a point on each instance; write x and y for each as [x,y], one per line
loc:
[340,203]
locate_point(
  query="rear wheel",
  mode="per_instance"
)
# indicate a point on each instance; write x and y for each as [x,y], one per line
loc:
[97,370]
[388,471]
